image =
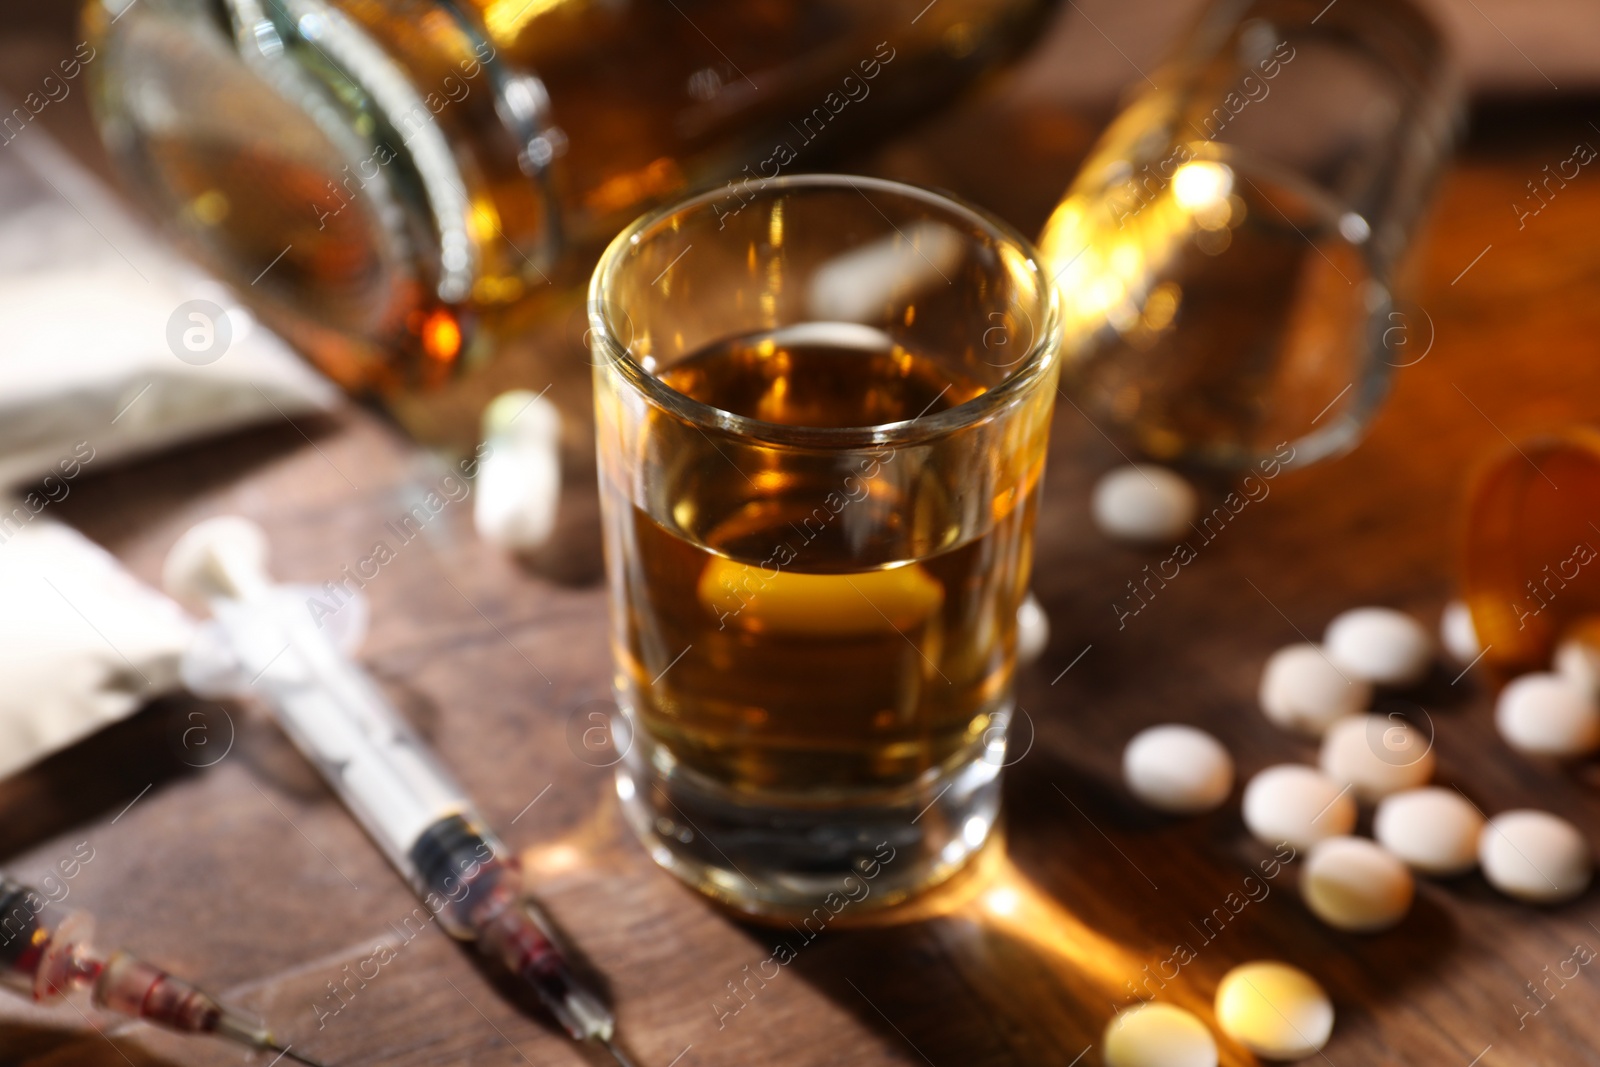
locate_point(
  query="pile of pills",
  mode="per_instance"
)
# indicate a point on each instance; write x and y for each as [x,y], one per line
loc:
[1352,883]
[1309,688]
[1324,690]
[1533,856]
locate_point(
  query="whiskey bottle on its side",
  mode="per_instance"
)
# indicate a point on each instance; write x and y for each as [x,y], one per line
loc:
[413,192]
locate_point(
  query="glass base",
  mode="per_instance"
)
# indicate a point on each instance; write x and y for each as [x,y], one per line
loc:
[842,857]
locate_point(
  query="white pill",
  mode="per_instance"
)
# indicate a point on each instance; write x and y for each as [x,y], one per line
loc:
[1432,830]
[1578,659]
[519,473]
[1158,1035]
[1033,630]
[1546,714]
[1534,856]
[1178,769]
[524,414]
[1277,1011]
[1302,690]
[1377,754]
[1297,804]
[1457,632]
[1352,884]
[1384,646]
[1144,503]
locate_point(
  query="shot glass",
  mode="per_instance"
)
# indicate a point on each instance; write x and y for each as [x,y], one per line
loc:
[822,408]
[1230,252]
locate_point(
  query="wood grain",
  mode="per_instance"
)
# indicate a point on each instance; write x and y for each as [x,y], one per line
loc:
[247,875]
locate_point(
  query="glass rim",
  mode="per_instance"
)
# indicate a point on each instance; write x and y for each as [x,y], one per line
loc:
[1029,368]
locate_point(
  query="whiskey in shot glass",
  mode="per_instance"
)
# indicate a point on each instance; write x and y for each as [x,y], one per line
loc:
[822,407]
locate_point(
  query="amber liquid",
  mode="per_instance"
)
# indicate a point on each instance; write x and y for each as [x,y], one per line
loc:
[1530,571]
[772,636]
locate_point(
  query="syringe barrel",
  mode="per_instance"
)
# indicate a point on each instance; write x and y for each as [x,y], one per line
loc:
[336,716]
[410,806]
[129,986]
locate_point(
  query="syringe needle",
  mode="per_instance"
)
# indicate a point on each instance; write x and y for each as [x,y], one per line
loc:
[616,1052]
[239,1028]
[288,1050]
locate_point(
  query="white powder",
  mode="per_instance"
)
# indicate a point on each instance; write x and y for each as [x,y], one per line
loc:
[86,296]
[82,643]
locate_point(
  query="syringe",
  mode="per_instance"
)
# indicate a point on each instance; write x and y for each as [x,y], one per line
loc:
[262,640]
[48,961]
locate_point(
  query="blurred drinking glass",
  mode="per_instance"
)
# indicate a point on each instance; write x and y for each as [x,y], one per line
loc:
[1228,252]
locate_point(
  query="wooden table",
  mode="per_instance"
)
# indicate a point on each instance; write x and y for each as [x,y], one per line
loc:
[248,875]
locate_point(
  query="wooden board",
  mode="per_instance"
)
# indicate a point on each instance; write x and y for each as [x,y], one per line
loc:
[246,873]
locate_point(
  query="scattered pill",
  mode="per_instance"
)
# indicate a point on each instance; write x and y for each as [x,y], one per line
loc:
[1545,714]
[1457,633]
[1277,1011]
[1353,884]
[1158,1035]
[1433,830]
[519,473]
[1578,655]
[1377,755]
[1534,856]
[1144,503]
[1297,804]
[1178,769]
[1579,662]
[1381,645]
[1302,690]
[1033,630]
